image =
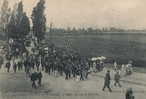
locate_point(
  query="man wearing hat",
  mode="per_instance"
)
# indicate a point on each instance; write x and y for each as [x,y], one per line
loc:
[107,81]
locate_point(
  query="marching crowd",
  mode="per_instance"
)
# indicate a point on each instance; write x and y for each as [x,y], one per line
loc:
[54,61]
[59,62]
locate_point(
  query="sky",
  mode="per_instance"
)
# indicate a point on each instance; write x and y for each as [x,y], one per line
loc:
[129,14]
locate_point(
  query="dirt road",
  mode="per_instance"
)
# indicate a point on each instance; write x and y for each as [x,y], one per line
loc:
[18,86]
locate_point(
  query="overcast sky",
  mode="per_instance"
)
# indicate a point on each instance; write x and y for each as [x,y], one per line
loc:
[92,13]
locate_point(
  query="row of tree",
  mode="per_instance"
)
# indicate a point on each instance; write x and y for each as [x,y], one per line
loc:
[15,23]
[88,30]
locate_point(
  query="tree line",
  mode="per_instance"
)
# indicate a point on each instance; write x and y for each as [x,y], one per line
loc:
[15,24]
[91,30]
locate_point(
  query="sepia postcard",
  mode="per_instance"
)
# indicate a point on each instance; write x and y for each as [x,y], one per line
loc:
[72,49]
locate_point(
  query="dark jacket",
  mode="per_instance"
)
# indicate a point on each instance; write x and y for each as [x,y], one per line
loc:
[107,78]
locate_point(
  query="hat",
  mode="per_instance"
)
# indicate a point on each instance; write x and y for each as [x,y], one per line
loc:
[108,70]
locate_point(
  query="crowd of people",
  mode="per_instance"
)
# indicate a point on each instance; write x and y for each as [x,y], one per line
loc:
[59,62]
[54,61]
[126,69]
[107,84]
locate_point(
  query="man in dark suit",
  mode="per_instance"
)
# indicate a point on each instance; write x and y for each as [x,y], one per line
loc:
[107,81]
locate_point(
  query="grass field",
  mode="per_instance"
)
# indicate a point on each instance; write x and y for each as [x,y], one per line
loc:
[121,47]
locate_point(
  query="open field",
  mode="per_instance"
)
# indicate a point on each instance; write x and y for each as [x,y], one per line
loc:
[122,47]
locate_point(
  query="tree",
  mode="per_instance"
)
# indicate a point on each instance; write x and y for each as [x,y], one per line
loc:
[18,28]
[4,16]
[19,25]
[24,26]
[11,28]
[39,21]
